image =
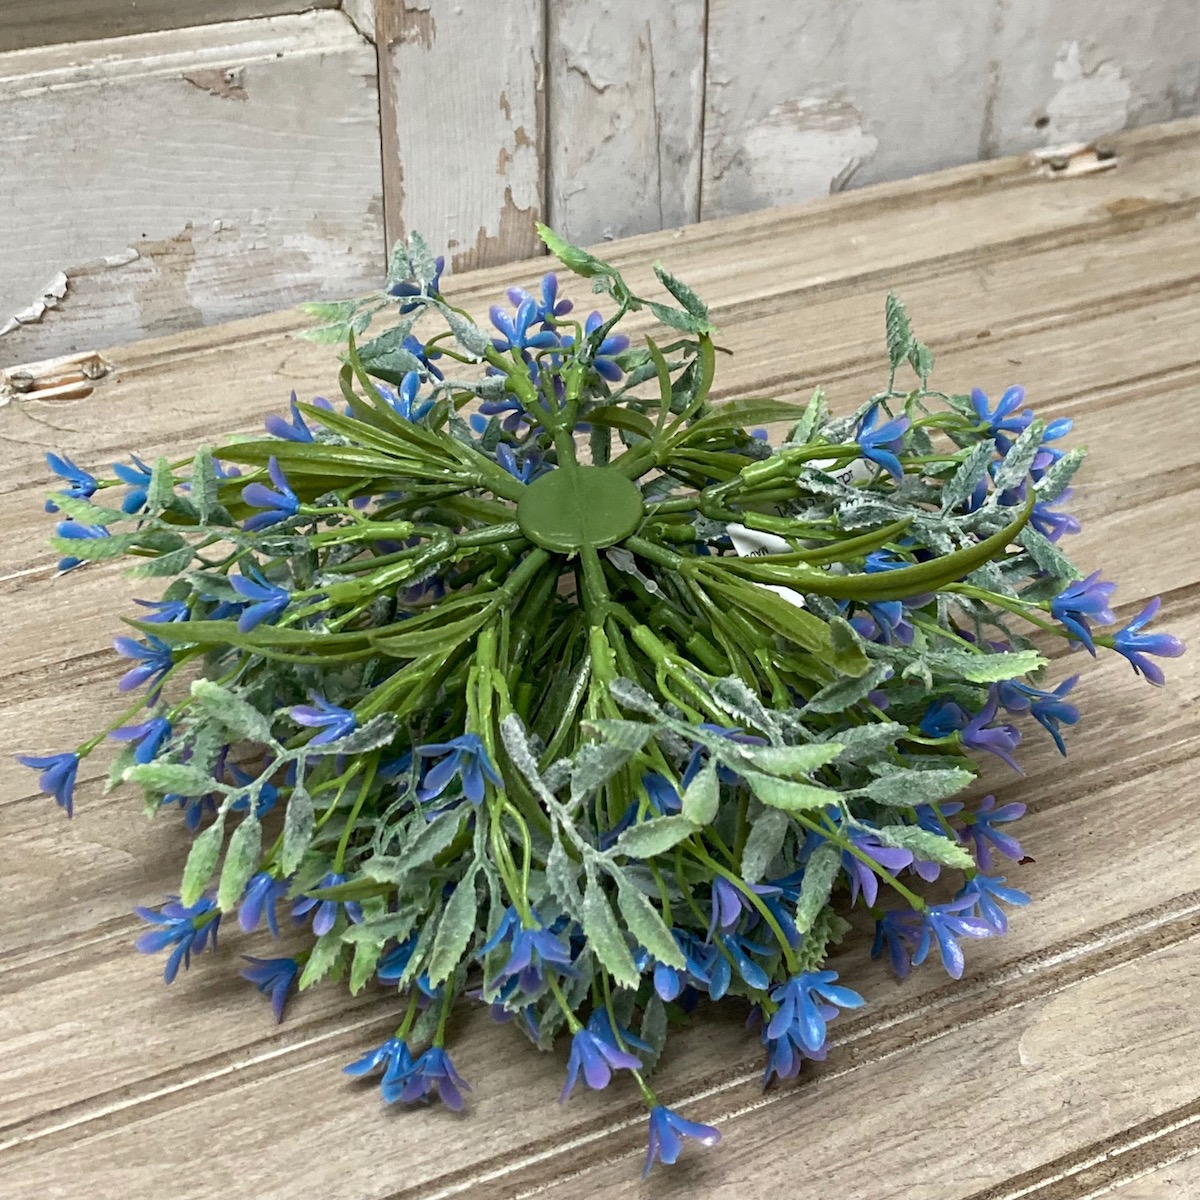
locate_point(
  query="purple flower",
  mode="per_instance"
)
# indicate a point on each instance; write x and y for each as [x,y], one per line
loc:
[880,443]
[987,892]
[597,1056]
[1081,602]
[896,931]
[667,1131]
[75,531]
[262,893]
[408,287]
[332,721]
[466,759]
[279,505]
[512,410]
[1050,524]
[862,877]
[183,928]
[295,430]
[83,484]
[737,950]
[515,329]
[273,977]
[727,904]
[981,829]
[549,306]
[803,1001]
[434,1074]
[947,923]
[138,478]
[57,777]
[396,1060]
[154,661]
[1135,645]
[267,600]
[148,736]
[325,911]
[1005,418]
[532,948]
[1001,740]
[404,399]
[163,611]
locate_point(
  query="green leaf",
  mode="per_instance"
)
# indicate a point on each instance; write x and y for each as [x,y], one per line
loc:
[227,708]
[380,929]
[702,797]
[653,1031]
[467,334]
[605,937]
[800,627]
[920,358]
[241,861]
[297,829]
[789,795]
[816,886]
[907,789]
[647,926]
[201,862]
[861,743]
[96,549]
[1020,457]
[992,667]
[562,878]
[430,840]
[816,415]
[378,732]
[161,490]
[899,332]
[763,843]
[455,930]
[970,473]
[615,416]
[326,951]
[629,736]
[925,844]
[178,778]
[362,966]
[87,513]
[173,563]
[649,838]
[1058,477]
[849,657]
[839,695]
[427,640]
[574,257]
[793,762]
[424,263]
[1047,555]
[738,414]
[680,290]
[595,764]
[684,321]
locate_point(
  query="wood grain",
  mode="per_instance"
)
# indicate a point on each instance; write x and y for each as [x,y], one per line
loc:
[1061,1066]
[464,128]
[244,199]
[625,94]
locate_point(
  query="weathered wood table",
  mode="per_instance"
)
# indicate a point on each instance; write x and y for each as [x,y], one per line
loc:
[1064,1064]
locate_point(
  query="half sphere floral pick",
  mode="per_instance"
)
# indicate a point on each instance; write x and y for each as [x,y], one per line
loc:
[525,674]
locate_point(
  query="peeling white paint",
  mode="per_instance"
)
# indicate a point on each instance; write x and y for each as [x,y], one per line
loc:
[1087,104]
[33,312]
[806,148]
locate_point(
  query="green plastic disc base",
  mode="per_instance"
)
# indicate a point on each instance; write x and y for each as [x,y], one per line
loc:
[568,509]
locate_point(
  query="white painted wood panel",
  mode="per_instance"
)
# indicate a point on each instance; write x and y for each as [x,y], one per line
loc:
[177,179]
[464,120]
[626,87]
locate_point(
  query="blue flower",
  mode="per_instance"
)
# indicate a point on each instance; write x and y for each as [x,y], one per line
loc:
[391,967]
[605,362]
[138,478]
[1135,645]
[515,329]
[597,1056]
[987,892]
[325,911]
[76,531]
[163,611]
[153,657]
[549,306]
[396,1060]
[1053,525]
[267,600]
[193,807]
[785,1055]
[273,977]
[83,484]
[662,797]
[57,777]
[425,357]
[1049,709]
[737,954]
[670,981]
[404,399]
[510,408]
[410,287]
[862,877]
[149,737]
[332,721]
[981,829]
[802,1003]
[947,923]
[1081,602]
[726,904]
[268,793]
[527,470]
[262,893]
[880,443]
[896,931]
[186,929]
[279,505]
[667,1131]
[532,949]
[1005,418]
[434,1074]
[466,759]
[725,775]
[295,430]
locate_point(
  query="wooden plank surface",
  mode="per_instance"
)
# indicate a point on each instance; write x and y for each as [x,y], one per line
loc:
[1061,1067]
[170,180]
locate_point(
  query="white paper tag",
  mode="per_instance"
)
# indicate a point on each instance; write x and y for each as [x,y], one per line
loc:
[753,543]
[858,470]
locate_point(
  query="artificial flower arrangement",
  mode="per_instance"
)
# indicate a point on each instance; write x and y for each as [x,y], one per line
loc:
[526,674]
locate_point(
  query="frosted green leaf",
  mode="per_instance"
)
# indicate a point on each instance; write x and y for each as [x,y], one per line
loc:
[325,953]
[925,844]
[907,789]
[241,861]
[789,795]
[201,862]
[179,778]
[763,843]
[970,473]
[841,694]
[656,836]
[455,930]
[605,937]
[702,797]
[816,885]
[242,720]
[297,829]
[647,926]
